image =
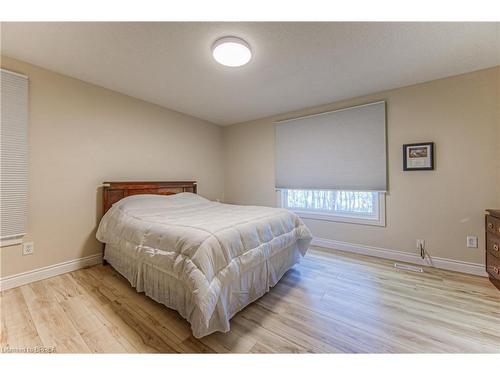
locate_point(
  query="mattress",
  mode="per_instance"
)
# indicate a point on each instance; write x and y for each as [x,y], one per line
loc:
[205,259]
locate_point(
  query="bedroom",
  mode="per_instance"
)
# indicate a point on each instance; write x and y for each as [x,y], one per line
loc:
[326,193]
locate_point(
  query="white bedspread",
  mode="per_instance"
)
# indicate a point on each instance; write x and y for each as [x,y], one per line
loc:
[202,244]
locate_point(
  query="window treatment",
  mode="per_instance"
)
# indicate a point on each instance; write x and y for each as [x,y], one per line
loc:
[339,150]
[13,154]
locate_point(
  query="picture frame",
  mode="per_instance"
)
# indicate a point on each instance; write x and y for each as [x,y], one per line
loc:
[418,156]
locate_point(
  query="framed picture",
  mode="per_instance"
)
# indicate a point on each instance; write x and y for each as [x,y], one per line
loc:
[418,156]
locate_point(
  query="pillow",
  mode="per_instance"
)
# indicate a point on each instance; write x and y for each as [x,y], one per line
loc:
[185,198]
[145,201]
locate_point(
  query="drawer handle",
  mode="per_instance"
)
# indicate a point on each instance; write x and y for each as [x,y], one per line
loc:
[490,225]
[495,247]
[496,270]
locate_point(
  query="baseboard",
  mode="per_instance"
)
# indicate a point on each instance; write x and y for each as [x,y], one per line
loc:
[443,263]
[19,279]
[23,278]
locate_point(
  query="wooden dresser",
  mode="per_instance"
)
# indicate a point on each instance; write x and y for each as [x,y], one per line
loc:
[493,246]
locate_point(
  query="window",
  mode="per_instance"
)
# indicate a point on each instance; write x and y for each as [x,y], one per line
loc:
[333,165]
[13,157]
[362,207]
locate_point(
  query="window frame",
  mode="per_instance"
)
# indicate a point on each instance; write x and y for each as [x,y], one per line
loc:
[378,220]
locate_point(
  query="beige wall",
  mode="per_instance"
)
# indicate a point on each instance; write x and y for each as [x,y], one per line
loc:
[460,114]
[497,95]
[81,135]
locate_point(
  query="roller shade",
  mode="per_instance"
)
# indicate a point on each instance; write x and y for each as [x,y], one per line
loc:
[339,150]
[13,154]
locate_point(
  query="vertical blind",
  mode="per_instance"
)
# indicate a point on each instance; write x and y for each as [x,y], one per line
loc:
[339,150]
[13,154]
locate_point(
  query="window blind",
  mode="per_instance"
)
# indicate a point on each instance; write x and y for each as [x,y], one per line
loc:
[13,154]
[339,150]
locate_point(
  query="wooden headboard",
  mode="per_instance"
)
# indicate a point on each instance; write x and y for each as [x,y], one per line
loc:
[112,192]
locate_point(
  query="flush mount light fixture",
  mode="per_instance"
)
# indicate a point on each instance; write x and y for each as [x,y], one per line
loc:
[231,51]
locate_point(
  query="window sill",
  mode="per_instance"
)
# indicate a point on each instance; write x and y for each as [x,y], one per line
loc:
[379,222]
[11,241]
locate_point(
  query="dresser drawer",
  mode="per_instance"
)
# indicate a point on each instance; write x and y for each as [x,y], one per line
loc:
[492,265]
[493,244]
[493,225]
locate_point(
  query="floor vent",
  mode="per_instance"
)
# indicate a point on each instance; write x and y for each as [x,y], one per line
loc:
[407,267]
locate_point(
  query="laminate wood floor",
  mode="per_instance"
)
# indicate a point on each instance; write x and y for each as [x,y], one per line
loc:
[332,302]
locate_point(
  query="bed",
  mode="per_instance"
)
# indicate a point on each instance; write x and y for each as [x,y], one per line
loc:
[207,260]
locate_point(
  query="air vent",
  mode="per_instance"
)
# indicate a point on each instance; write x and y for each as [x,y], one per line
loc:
[407,267]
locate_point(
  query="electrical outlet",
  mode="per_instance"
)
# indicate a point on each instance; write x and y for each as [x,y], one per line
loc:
[28,248]
[472,241]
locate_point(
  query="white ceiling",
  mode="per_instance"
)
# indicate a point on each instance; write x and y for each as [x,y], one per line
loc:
[295,65]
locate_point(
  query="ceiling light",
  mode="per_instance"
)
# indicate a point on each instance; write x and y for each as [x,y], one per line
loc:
[231,51]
